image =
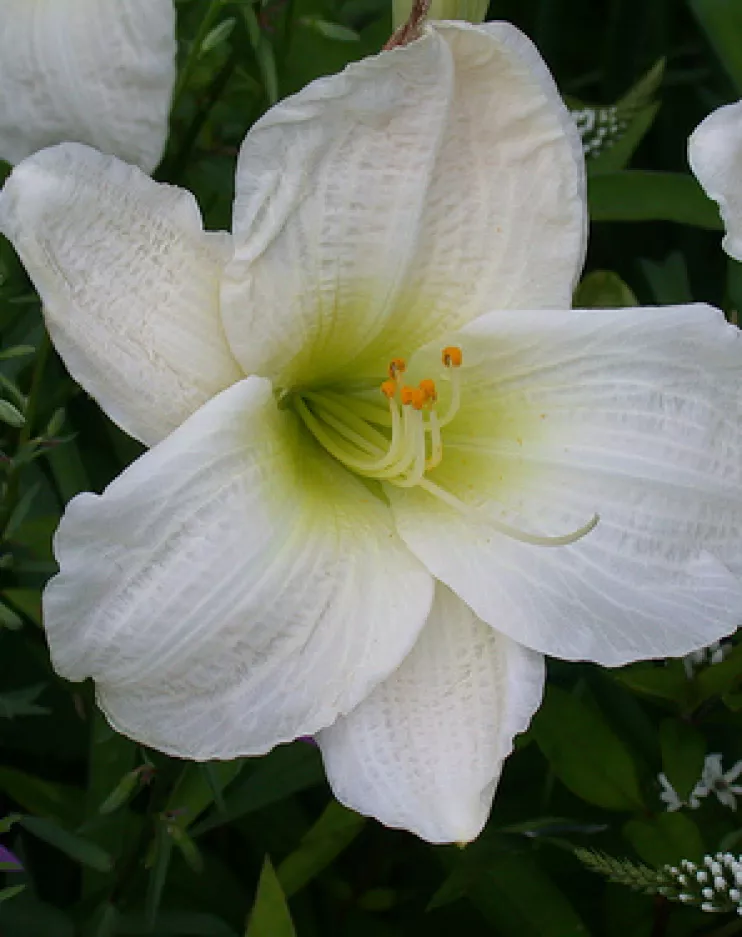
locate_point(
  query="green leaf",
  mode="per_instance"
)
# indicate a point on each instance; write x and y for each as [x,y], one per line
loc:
[16,351]
[20,511]
[603,289]
[637,195]
[163,851]
[637,111]
[585,753]
[666,838]
[217,35]
[10,892]
[286,770]
[329,30]
[667,682]
[23,702]
[720,679]
[683,751]
[331,834]
[11,415]
[196,790]
[9,619]
[270,916]
[721,20]
[79,849]
[173,924]
[520,900]
[56,801]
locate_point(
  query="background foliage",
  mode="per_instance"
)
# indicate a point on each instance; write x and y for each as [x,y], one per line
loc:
[116,840]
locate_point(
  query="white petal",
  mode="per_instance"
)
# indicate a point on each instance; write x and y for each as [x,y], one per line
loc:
[425,750]
[405,196]
[630,414]
[715,155]
[129,282]
[234,588]
[91,71]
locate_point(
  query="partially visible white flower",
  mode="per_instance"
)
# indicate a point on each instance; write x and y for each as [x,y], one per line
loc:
[705,657]
[669,795]
[714,780]
[715,156]
[671,798]
[89,71]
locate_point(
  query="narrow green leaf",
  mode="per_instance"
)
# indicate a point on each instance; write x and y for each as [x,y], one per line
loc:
[16,351]
[664,683]
[77,848]
[331,834]
[57,801]
[11,415]
[10,892]
[23,702]
[721,20]
[196,790]
[20,512]
[217,35]
[636,195]
[9,619]
[585,753]
[329,30]
[270,916]
[173,924]
[683,750]
[158,874]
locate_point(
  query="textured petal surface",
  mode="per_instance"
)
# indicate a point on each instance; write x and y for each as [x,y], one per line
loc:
[129,282]
[632,414]
[234,588]
[715,154]
[91,71]
[416,190]
[424,751]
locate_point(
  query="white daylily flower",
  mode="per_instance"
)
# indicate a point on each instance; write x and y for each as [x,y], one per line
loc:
[714,780]
[715,156]
[92,71]
[300,553]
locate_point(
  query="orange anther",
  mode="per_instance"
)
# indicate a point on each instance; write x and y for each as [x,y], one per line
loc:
[452,356]
[397,366]
[389,388]
[418,399]
[427,386]
[405,394]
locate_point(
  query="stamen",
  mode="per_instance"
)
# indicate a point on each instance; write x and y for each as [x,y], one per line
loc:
[428,388]
[452,356]
[515,533]
[397,366]
[389,388]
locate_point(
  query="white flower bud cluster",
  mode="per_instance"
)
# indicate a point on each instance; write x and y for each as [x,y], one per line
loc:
[714,885]
[600,128]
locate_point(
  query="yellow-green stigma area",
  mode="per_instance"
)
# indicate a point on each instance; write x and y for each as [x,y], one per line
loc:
[394,435]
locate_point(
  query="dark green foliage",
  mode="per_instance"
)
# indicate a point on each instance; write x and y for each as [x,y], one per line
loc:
[116,840]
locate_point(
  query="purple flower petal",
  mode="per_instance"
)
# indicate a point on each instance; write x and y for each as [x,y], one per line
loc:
[7,858]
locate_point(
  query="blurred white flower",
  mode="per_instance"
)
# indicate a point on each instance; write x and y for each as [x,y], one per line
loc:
[714,780]
[380,438]
[715,155]
[91,71]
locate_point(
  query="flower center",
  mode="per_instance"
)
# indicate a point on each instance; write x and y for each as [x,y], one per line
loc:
[395,436]
[396,441]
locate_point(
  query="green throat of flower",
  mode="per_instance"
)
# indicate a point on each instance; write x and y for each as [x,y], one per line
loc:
[396,436]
